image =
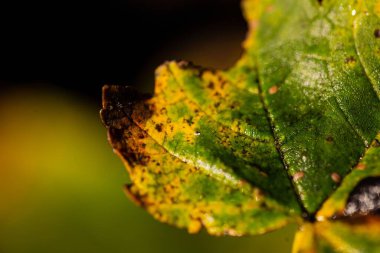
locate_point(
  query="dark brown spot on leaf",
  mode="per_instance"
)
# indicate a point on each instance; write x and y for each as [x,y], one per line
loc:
[158,127]
[350,60]
[189,121]
[377,33]
[120,102]
[329,139]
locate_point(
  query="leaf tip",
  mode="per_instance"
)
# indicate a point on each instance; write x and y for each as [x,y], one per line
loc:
[119,102]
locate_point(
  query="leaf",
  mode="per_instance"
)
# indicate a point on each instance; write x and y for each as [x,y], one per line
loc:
[183,171]
[359,192]
[348,221]
[354,235]
[265,143]
[326,110]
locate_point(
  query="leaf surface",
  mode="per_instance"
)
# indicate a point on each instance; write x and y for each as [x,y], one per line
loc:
[249,149]
[326,109]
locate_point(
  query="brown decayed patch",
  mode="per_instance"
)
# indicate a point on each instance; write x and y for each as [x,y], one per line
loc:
[127,139]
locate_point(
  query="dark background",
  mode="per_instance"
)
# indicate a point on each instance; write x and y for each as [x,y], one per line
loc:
[79,46]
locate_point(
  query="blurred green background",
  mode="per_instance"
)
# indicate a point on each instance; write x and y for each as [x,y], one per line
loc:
[61,184]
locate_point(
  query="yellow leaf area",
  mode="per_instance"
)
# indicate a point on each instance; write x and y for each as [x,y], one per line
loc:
[195,156]
[359,234]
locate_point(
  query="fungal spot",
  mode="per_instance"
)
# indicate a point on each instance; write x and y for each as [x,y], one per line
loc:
[335,177]
[210,85]
[273,90]
[163,110]
[189,121]
[298,176]
[361,166]
[350,61]
[365,198]
[377,33]
[329,139]
[158,127]
[320,2]
[119,101]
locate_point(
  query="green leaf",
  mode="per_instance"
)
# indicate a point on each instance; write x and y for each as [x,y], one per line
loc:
[265,143]
[326,110]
